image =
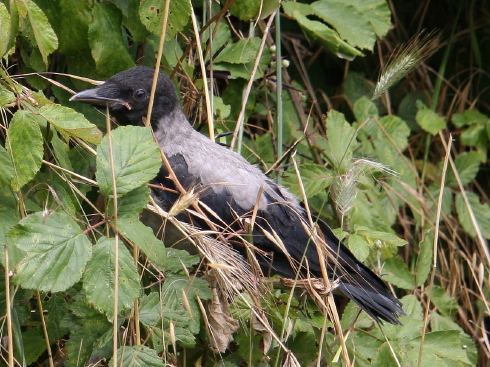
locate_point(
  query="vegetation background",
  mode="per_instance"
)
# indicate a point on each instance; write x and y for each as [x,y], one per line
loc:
[293,80]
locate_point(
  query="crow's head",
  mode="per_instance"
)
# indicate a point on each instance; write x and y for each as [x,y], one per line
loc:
[128,94]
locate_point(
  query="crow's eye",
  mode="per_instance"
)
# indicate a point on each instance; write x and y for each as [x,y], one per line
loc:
[139,95]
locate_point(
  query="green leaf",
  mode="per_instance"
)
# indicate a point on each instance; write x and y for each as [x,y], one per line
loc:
[468,118]
[151,309]
[132,204]
[390,238]
[481,211]
[365,109]
[133,23]
[439,347]
[341,138]
[6,168]
[86,328]
[105,39]
[99,277]
[431,200]
[446,305]
[429,120]
[71,123]
[252,9]
[239,58]
[396,129]
[177,299]
[136,158]
[176,260]
[241,52]
[9,216]
[398,274]
[46,40]
[61,152]
[357,22]
[314,177]
[8,22]
[57,251]
[143,237]
[151,15]
[467,164]
[25,145]
[472,135]
[73,21]
[358,246]
[6,95]
[138,355]
[424,259]
[320,31]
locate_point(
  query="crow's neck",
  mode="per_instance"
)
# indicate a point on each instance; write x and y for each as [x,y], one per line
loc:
[172,131]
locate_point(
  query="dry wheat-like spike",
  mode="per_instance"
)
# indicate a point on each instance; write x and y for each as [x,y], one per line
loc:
[405,59]
[346,186]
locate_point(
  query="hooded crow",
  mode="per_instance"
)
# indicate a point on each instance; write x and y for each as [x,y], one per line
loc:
[238,192]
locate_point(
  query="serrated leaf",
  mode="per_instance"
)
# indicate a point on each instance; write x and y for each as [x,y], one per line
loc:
[173,291]
[467,164]
[438,346]
[314,177]
[341,139]
[151,309]
[176,260]
[171,306]
[71,123]
[382,236]
[468,118]
[56,251]
[431,200]
[446,305]
[6,95]
[241,52]
[365,109]
[25,145]
[61,152]
[424,260]
[256,9]
[136,157]
[472,135]
[358,246]
[356,22]
[46,39]
[8,22]
[429,120]
[151,15]
[396,272]
[481,211]
[320,31]
[6,168]
[143,237]
[138,355]
[73,21]
[86,328]
[132,204]
[105,39]
[99,277]
[9,216]
[396,129]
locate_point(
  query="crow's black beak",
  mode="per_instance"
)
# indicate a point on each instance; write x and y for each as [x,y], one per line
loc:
[93,97]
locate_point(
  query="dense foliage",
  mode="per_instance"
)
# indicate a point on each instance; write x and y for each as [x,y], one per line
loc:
[402,180]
